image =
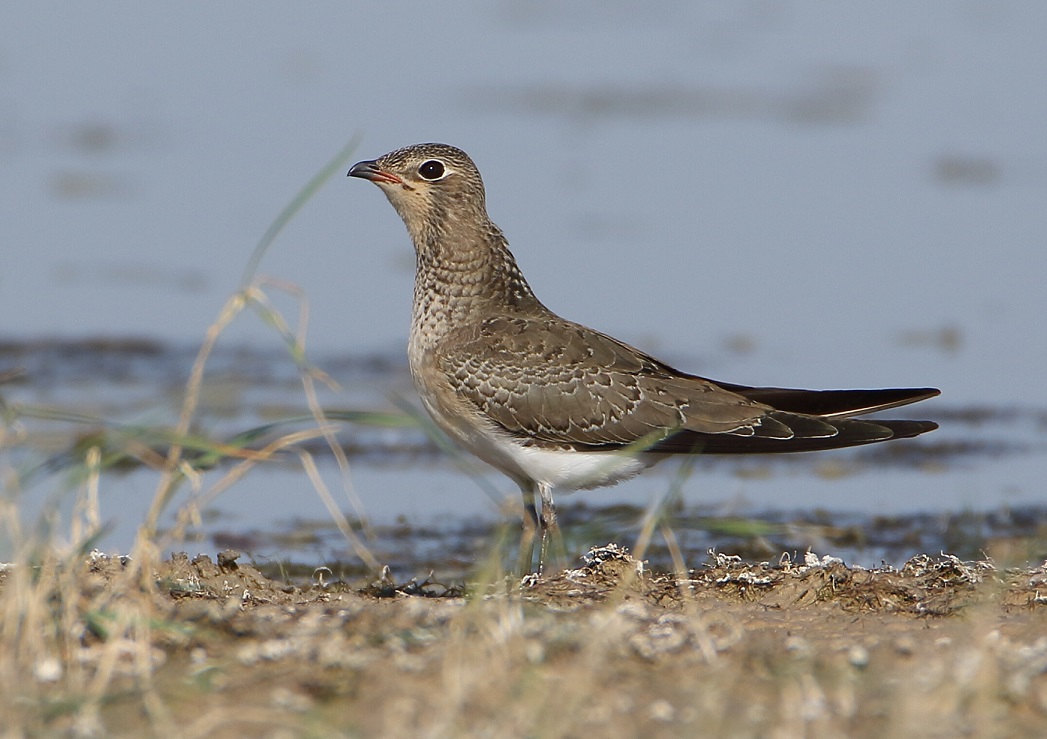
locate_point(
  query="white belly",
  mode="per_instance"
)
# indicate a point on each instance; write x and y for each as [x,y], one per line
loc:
[569,470]
[562,469]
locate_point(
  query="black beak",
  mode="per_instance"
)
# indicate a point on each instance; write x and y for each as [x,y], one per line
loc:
[369,170]
[365,169]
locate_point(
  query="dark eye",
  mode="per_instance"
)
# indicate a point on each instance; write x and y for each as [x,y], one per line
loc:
[431,170]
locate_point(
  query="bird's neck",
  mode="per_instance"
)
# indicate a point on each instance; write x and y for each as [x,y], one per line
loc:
[465,280]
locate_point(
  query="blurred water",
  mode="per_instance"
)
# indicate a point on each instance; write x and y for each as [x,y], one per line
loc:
[835,187]
[770,193]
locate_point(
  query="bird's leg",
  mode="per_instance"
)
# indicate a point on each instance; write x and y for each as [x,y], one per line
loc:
[525,559]
[550,529]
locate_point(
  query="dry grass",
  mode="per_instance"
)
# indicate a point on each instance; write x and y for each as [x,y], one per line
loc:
[68,639]
[939,648]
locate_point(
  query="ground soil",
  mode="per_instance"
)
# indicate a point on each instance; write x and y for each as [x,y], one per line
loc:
[940,647]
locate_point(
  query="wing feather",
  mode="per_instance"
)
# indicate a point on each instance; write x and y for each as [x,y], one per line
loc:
[560,383]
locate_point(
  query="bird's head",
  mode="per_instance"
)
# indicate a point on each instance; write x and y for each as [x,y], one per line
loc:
[435,188]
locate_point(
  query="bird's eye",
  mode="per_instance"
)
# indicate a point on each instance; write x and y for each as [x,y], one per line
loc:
[431,170]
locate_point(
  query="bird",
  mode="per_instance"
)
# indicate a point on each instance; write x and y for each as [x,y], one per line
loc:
[553,404]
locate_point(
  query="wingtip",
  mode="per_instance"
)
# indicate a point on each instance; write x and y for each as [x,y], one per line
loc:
[909,429]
